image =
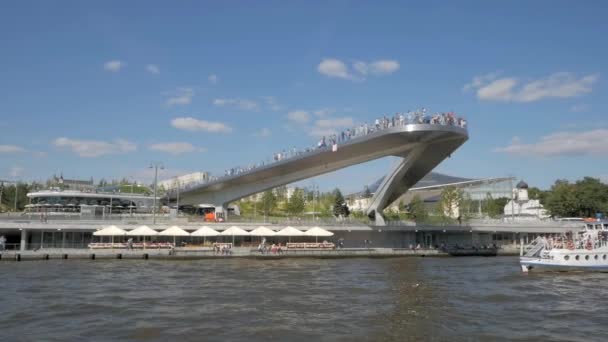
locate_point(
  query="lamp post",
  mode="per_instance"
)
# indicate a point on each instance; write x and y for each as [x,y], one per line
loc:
[16,192]
[131,204]
[177,200]
[155,166]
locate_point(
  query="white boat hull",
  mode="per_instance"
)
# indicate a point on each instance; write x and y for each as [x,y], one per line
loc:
[538,264]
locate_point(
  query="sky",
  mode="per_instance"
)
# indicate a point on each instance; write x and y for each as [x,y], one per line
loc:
[102,89]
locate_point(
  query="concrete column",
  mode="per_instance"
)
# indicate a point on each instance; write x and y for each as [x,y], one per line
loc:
[23,246]
[221,212]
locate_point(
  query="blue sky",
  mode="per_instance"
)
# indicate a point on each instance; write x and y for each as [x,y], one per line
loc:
[101,89]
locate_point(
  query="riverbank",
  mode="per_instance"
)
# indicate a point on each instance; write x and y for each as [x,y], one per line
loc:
[240,252]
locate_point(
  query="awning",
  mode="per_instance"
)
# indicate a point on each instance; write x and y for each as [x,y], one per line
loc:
[316,231]
[174,231]
[289,231]
[205,231]
[262,231]
[234,231]
[110,231]
[142,231]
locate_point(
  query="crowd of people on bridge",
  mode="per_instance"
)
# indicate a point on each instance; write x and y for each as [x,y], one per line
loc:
[332,141]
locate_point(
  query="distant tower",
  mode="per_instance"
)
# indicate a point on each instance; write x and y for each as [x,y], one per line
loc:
[521,191]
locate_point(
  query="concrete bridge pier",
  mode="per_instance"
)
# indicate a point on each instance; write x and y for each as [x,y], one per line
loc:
[394,185]
[23,245]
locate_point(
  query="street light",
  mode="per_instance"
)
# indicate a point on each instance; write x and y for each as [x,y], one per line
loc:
[16,191]
[155,166]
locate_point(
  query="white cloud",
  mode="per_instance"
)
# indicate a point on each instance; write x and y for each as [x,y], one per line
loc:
[384,67]
[262,133]
[323,112]
[175,147]
[113,66]
[332,67]
[272,103]
[153,69]
[593,142]
[181,96]
[325,127]
[213,79]
[579,108]
[377,68]
[336,68]
[237,103]
[299,116]
[11,149]
[557,85]
[95,148]
[194,125]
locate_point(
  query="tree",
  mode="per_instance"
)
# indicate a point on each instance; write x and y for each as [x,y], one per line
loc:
[340,206]
[450,200]
[417,209]
[562,200]
[295,206]
[591,195]
[269,202]
[494,207]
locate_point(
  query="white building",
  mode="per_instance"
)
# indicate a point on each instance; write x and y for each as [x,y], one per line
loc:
[185,180]
[522,207]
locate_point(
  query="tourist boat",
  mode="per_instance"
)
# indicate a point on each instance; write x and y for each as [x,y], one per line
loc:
[585,250]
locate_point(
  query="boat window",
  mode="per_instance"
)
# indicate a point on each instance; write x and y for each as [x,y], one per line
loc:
[577,257]
[586,257]
[567,257]
[604,257]
[596,257]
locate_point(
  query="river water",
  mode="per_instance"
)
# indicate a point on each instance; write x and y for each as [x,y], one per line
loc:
[401,299]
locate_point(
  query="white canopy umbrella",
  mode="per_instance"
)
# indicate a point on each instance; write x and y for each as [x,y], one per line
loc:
[205,231]
[316,232]
[174,231]
[143,231]
[262,231]
[289,231]
[110,231]
[234,231]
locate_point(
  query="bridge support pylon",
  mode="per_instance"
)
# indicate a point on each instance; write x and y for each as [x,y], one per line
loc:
[394,184]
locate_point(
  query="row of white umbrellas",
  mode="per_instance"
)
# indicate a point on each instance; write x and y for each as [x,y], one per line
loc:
[206,231]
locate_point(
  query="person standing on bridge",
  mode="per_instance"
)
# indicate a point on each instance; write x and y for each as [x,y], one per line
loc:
[2,243]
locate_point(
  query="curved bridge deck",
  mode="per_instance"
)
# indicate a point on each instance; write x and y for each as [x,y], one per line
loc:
[423,146]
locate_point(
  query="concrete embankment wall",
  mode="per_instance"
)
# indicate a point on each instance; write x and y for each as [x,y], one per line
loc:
[187,253]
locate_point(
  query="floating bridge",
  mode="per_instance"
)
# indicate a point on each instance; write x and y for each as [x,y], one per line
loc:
[420,147]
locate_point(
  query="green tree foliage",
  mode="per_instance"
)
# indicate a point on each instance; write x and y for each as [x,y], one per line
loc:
[296,203]
[584,198]
[417,209]
[8,196]
[494,207]
[340,208]
[268,203]
[450,200]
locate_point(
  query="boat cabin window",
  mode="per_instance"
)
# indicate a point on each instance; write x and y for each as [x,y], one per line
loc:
[577,257]
[567,257]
